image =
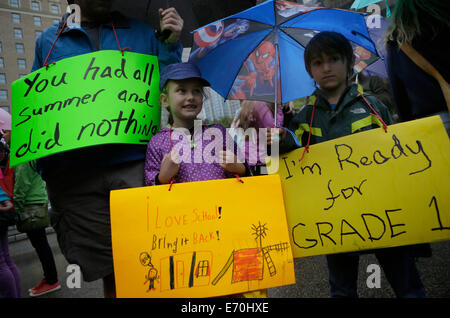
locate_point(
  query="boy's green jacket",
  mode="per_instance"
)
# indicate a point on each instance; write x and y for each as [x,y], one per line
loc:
[351,115]
[29,188]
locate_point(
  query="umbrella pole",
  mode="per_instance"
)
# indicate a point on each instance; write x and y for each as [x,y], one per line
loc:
[276,82]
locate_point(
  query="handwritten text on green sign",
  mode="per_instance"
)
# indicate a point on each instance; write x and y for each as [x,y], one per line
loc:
[91,99]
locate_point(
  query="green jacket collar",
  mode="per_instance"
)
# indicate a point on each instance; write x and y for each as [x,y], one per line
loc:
[348,96]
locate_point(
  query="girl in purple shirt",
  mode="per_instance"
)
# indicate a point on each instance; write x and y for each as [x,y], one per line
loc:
[188,151]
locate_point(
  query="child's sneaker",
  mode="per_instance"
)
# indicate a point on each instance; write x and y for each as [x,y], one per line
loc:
[37,286]
[45,289]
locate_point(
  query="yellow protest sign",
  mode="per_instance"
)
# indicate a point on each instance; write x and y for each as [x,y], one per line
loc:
[200,239]
[369,190]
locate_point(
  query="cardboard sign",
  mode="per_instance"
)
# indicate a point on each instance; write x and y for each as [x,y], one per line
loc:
[369,190]
[91,99]
[200,239]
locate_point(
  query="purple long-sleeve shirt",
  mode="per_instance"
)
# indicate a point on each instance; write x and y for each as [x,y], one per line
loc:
[199,161]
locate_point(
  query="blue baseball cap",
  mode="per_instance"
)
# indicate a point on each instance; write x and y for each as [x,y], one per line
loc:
[180,71]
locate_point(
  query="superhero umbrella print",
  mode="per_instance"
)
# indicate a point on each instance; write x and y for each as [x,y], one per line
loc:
[257,54]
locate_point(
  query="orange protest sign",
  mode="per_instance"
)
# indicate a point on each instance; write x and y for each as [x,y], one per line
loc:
[200,239]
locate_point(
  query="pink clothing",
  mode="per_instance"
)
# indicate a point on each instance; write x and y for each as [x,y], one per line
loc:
[263,118]
[5,120]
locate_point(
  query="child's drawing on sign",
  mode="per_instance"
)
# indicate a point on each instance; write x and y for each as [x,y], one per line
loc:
[248,264]
[152,275]
[186,270]
[190,237]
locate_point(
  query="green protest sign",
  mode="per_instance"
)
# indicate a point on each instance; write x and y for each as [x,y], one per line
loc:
[91,99]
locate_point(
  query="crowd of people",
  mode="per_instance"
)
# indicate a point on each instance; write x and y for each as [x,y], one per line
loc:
[78,182]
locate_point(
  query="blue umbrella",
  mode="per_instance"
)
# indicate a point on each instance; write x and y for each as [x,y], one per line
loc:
[377,34]
[245,55]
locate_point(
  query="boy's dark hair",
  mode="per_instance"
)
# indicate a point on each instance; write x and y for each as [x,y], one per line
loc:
[329,43]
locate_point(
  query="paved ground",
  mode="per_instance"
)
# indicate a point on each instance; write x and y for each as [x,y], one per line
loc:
[30,269]
[311,275]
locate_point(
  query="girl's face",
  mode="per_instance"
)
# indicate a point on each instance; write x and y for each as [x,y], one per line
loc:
[329,72]
[184,100]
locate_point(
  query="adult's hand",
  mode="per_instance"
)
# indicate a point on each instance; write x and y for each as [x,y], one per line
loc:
[169,19]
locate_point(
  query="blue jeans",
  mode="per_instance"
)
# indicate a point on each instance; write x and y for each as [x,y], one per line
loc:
[399,267]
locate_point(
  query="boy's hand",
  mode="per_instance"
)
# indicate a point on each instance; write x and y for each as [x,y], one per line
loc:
[170,165]
[288,108]
[229,162]
[169,19]
[275,135]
